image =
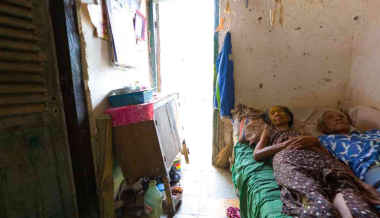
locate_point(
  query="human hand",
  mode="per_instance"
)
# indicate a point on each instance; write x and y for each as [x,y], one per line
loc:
[303,142]
[289,143]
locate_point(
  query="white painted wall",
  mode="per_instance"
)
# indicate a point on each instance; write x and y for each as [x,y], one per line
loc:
[103,76]
[304,63]
[364,87]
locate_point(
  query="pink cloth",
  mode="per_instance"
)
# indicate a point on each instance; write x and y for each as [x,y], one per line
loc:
[125,115]
[233,212]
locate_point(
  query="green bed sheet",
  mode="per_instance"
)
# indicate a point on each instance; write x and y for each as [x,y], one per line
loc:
[258,190]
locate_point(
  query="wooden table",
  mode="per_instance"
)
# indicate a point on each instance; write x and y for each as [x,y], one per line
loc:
[148,148]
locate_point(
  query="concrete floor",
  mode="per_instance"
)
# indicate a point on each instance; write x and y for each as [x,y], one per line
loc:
[208,191]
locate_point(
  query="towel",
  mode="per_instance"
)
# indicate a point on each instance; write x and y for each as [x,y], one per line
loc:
[224,98]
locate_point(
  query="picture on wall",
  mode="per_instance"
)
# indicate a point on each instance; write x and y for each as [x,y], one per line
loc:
[127,27]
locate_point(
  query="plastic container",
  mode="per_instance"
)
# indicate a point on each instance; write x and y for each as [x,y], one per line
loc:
[177,163]
[153,201]
[161,187]
[118,98]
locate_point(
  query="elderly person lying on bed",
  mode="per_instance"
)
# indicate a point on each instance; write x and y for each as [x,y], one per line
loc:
[361,151]
[313,183]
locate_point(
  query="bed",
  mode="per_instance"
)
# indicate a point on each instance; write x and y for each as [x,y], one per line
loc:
[254,181]
[258,191]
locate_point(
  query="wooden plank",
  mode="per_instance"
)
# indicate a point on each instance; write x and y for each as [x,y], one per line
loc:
[169,196]
[66,33]
[13,10]
[103,166]
[18,46]
[20,3]
[12,56]
[21,68]
[9,33]
[24,109]
[158,47]
[14,89]
[16,22]
[138,156]
[21,78]
[23,99]
[166,137]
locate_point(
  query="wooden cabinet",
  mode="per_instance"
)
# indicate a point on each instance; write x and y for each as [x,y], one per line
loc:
[149,148]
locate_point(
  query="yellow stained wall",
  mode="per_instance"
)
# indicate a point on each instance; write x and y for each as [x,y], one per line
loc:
[305,62]
[323,52]
[364,87]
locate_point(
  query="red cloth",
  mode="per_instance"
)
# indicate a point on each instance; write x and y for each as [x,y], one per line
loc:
[125,115]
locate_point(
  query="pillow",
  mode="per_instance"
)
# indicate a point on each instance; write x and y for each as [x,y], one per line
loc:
[251,130]
[310,125]
[247,123]
[364,118]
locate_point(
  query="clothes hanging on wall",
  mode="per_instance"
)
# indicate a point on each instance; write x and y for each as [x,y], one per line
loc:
[224,99]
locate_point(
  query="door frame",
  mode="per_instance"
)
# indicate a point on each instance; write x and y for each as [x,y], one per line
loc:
[216,128]
[68,48]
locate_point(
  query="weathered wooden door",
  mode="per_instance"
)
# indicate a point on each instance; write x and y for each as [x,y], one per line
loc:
[35,169]
[167,132]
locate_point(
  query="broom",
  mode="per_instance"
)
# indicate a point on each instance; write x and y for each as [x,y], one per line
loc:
[222,159]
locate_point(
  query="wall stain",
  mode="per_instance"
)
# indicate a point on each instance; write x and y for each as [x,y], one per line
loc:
[297,88]
[297,28]
[327,80]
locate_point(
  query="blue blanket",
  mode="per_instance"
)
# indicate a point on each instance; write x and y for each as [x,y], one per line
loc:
[358,150]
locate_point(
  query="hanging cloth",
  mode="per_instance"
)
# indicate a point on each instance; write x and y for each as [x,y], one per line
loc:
[224,98]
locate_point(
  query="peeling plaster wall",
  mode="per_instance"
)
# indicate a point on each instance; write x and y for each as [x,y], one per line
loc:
[364,88]
[304,63]
[103,76]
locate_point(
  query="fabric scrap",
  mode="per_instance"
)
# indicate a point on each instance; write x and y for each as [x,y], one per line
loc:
[131,114]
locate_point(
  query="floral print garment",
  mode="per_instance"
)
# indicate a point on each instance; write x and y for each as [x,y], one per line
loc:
[310,180]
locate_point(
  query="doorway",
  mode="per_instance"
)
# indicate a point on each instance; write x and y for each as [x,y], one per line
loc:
[186,33]
[186,65]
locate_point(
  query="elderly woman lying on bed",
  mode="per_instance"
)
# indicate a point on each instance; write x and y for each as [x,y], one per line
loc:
[361,151]
[312,182]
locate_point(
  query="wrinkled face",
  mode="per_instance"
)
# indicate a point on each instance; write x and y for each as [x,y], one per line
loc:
[336,122]
[278,116]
